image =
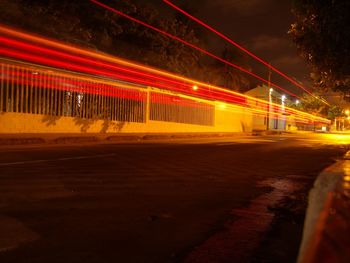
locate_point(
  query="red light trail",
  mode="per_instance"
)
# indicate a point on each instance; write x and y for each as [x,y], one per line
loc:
[192,46]
[25,47]
[75,67]
[23,51]
[99,56]
[59,55]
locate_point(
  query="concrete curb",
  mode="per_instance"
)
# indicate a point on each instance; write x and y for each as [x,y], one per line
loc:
[19,141]
[326,235]
[53,139]
[75,138]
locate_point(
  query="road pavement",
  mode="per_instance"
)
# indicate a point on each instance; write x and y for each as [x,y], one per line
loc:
[194,200]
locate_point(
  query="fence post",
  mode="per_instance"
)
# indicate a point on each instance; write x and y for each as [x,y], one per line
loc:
[148,108]
[2,87]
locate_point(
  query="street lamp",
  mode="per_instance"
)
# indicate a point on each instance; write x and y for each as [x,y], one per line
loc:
[347,118]
[195,87]
[268,109]
[283,98]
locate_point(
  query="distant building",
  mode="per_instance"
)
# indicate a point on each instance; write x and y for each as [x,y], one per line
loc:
[267,119]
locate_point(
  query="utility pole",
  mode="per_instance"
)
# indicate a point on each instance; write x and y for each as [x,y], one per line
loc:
[268,109]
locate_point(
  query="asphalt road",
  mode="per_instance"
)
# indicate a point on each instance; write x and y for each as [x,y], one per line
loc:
[202,200]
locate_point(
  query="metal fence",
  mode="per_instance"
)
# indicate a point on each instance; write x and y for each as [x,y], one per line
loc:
[172,108]
[33,89]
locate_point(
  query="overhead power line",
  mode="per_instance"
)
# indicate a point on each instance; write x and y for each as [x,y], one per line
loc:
[192,46]
[238,46]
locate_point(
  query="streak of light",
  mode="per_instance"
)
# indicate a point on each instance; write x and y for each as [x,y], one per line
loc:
[93,85]
[49,53]
[105,57]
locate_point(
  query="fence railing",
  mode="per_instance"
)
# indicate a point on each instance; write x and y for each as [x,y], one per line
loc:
[170,108]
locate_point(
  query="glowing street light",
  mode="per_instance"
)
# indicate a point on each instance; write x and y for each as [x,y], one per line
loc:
[347,112]
[222,105]
[283,98]
[297,102]
[195,87]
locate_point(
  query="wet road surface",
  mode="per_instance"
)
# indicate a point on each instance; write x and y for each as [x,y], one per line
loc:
[181,201]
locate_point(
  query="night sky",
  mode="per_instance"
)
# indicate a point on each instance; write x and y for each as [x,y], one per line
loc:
[261,26]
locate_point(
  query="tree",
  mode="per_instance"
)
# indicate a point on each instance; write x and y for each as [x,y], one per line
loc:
[335,111]
[311,103]
[322,35]
[82,23]
[229,77]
